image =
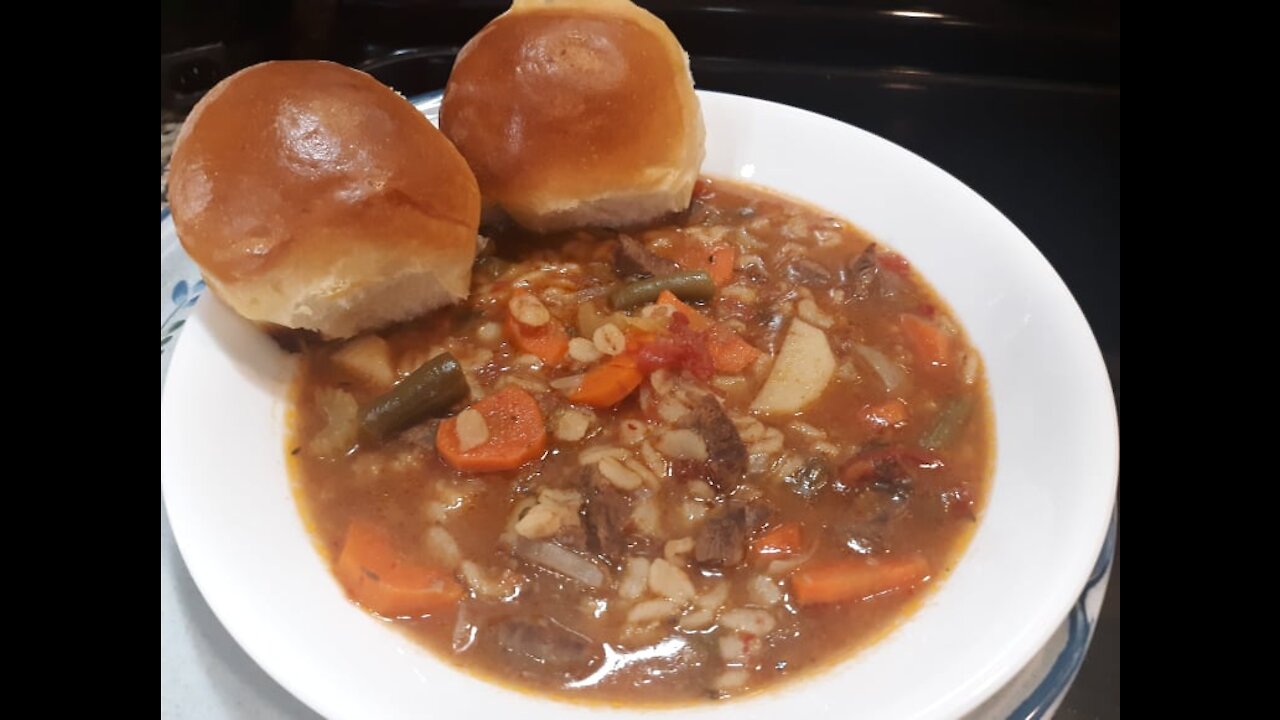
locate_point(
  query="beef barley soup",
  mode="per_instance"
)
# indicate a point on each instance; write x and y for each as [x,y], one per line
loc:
[680,463]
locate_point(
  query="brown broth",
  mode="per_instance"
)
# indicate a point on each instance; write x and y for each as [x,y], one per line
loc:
[898,508]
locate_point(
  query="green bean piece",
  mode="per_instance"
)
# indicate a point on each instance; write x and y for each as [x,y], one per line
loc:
[949,421]
[695,286]
[429,391]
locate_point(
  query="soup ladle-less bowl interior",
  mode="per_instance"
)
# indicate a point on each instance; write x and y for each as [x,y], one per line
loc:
[227,491]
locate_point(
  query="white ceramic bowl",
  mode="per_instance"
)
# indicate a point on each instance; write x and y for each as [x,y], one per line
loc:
[222,468]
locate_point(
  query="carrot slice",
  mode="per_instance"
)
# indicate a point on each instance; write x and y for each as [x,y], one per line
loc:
[718,261]
[697,321]
[930,344]
[785,539]
[720,264]
[549,342]
[517,434]
[375,576]
[856,579]
[729,352]
[637,339]
[606,385]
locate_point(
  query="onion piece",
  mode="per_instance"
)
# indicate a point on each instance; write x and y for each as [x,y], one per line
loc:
[561,560]
[779,567]
[890,374]
[574,299]
[464,631]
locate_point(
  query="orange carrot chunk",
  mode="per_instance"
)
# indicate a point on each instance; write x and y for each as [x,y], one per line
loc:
[856,579]
[697,321]
[516,434]
[606,385]
[376,577]
[549,342]
[718,261]
[785,539]
[637,339]
[729,352]
[930,344]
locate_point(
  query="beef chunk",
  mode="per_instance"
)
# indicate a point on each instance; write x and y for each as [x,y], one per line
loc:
[810,273]
[726,454]
[880,467]
[722,540]
[770,324]
[686,471]
[545,646]
[810,478]
[604,515]
[752,514]
[631,258]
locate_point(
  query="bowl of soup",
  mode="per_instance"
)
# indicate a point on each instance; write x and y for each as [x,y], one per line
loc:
[837,439]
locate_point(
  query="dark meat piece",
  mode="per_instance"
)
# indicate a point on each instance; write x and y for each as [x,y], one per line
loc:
[726,454]
[810,478]
[632,258]
[545,646]
[722,540]
[771,324]
[878,487]
[869,522]
[752,515]
[886,467]
[686,471]
[809,273]
[863,274]
[604,515]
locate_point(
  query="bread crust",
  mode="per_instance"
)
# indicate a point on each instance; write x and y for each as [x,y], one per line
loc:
[577,112]
[312,196]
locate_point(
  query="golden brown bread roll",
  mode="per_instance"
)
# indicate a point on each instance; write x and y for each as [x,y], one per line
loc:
[575,113]
[312,196]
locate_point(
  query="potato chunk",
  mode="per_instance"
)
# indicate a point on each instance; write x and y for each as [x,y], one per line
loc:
[368,359]
[801,372]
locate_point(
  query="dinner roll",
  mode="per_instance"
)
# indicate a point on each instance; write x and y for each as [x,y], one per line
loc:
[312,196]
[575,113]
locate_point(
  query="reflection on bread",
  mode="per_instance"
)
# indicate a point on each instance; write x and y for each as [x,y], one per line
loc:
[575,113]
[314,197]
